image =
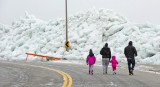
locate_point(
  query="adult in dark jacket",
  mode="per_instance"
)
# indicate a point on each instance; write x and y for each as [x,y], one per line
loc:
[130,53]
[106,55]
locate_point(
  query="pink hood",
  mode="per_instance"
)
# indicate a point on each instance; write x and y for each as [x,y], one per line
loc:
[114,61]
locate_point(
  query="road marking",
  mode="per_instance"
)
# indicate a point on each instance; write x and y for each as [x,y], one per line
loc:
[70,79]
[65,75]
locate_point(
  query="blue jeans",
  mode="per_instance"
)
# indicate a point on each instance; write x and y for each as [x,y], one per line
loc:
[131,61]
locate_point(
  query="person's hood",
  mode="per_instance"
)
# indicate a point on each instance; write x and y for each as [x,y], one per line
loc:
[91,53]
[106,45]
[113,57]
[130,43]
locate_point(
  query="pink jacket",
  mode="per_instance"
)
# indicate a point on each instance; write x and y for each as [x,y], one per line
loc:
[114,61]
[91,60]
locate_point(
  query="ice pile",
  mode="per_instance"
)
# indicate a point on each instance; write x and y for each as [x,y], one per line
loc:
[87,30]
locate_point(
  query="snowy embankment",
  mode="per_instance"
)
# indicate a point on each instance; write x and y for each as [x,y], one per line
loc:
[87,30]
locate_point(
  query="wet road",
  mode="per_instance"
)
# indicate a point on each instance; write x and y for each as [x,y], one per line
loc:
[12,75]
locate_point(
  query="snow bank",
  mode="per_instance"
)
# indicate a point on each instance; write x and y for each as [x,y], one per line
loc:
[87,30]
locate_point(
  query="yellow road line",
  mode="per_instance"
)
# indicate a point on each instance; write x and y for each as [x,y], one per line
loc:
[65,75]
[70,79]
[60,72]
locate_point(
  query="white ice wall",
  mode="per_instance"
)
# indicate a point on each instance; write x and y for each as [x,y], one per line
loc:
[87,30]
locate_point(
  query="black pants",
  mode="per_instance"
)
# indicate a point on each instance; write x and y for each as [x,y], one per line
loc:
[131,64]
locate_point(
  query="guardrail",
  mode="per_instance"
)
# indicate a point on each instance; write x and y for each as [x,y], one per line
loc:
[41,56]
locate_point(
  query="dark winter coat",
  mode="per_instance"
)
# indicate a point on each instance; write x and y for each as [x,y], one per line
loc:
[130,51]
[105,52]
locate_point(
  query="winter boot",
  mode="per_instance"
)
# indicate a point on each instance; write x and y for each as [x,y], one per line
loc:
[92,72]
[115,72]
[131,72]
[104,72]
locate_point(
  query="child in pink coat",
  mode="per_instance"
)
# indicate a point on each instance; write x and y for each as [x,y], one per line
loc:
[114,64]
[91,61]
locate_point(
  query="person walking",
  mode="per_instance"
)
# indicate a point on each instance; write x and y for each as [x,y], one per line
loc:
[106,55]
[114,64]
[130,53]
[91,61]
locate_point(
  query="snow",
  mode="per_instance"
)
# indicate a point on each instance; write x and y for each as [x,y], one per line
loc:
[112,84]
[87,30]
[150,69]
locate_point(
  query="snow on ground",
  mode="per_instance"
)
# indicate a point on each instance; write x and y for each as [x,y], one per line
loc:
[87,30]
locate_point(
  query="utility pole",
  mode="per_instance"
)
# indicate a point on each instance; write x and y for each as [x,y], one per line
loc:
[66,27]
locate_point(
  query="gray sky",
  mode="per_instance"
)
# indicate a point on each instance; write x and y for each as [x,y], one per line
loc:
[137,11]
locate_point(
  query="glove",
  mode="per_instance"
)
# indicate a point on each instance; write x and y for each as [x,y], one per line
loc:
[87,63]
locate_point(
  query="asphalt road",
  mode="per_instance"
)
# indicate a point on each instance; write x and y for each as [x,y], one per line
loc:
[13,75]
